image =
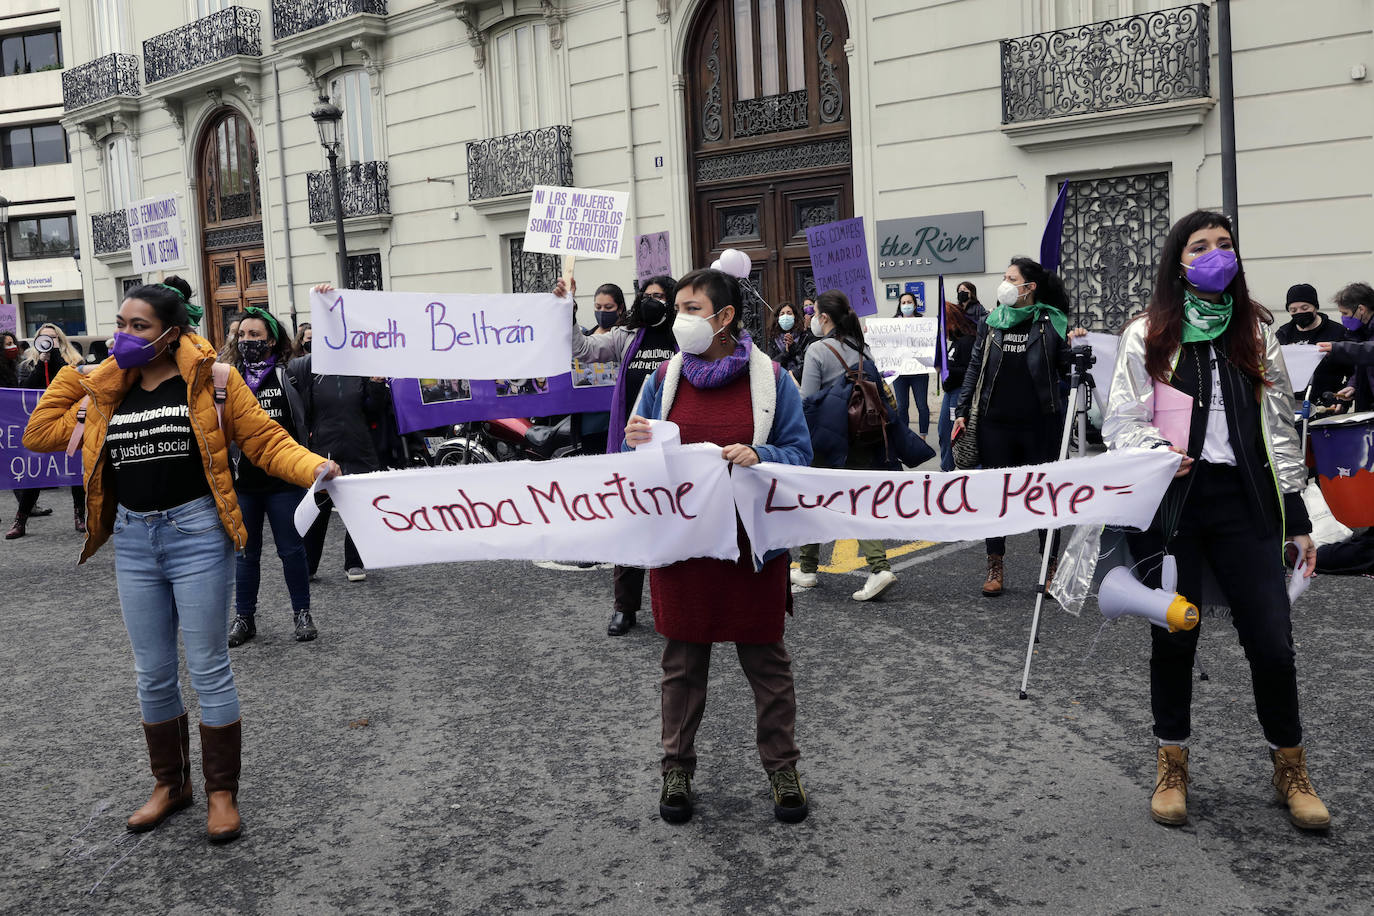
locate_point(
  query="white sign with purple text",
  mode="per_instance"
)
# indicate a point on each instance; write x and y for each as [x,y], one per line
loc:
[576,221]
[155,239]
[440,335]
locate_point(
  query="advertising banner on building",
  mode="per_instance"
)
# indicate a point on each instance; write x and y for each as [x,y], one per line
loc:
[924,246]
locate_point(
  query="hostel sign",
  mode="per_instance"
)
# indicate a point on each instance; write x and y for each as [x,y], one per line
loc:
[155,238]
[923,246]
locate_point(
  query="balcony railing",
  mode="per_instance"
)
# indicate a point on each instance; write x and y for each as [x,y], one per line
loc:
[101,79]
[110,232]
[1124,63]
[365,191]
[291,17]
[232,31]
[515,163]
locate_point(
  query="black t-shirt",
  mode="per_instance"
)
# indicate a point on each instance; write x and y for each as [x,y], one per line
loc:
[273,401]
[1013,398]
[154,460]
[657,347]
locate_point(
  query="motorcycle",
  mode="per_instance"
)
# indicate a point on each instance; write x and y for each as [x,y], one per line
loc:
[509,439]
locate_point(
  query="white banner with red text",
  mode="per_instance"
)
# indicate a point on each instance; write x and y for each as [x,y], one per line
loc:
[786,506]
[654,508]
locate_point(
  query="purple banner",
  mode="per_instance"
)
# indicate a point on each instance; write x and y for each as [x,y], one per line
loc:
[19,467]
[839,260]
[652,258]
[427,403]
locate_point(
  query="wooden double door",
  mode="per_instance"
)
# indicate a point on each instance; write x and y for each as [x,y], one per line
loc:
[234,259]
[234,279]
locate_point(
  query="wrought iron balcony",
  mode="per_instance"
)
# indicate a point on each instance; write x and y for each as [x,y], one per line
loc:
[291,17]
[365,192]
[110,232]
[1123,63]
[230,32]
[101,79]
[515,163]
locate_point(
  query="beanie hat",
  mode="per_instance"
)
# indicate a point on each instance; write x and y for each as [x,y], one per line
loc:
[1302,292]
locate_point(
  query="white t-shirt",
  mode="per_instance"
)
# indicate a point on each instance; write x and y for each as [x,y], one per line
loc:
[1216,448]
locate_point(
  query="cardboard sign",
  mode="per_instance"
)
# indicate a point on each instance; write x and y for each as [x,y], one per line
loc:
[155,239]
[575,221]
[902,346]
[431,335]
[839,260]
[652,257]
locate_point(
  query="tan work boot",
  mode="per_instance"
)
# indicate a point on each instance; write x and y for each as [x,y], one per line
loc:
[1294,789]
[992,588]
[1169,804]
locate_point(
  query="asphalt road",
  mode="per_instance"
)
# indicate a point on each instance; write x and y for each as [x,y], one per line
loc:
[466,739]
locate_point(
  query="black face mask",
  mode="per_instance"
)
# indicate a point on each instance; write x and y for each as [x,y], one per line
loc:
[254,351]
[654,311]
[607,320]
[963,297]
[1305,319]
[306,346]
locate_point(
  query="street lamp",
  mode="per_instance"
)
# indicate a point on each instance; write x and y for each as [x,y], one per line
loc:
[5,244]
[327,117]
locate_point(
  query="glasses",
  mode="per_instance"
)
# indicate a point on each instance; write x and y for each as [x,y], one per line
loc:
[659,296]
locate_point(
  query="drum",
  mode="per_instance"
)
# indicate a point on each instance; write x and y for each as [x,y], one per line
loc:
[1344,450]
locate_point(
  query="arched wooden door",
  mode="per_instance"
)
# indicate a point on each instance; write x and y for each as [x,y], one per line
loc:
[768,130]
[231,214]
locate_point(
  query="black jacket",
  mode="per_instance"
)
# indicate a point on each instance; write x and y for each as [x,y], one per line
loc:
[1047,358]
[339,413]
[39,374]
[960,351]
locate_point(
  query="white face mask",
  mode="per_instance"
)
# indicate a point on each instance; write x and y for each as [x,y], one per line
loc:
[816,326]
[908,309]
[693,333]
[1008,292]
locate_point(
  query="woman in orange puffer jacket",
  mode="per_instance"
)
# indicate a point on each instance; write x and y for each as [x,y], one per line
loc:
[155,456]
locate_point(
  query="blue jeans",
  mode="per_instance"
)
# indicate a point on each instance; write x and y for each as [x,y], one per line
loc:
[946,428]
[279,509]
[904,386]
[177,568]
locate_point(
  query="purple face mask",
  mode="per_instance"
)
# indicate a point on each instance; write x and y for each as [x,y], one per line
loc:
[130,351]
[1213,271]
[1351,323]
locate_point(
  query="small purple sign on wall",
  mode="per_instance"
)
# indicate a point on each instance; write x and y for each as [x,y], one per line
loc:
[19,467]
[839,260]
[652,258]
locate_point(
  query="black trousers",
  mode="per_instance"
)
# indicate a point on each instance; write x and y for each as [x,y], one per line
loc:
[1217,526]
[314,538]
[629,589]
[1008,446]
[28,498]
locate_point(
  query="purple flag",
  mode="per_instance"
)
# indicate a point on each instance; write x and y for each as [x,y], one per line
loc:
[19,467]
[839,260]
[1054,232]
[941,335]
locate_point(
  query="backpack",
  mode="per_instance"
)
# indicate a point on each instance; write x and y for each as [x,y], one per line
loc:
[868,410]
[220,377]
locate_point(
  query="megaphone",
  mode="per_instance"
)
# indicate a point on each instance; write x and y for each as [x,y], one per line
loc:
[1122,593]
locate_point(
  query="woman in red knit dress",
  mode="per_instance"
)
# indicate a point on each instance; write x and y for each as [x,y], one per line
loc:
[720,389]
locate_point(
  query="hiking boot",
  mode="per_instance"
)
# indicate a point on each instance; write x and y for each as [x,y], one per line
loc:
[675,802]
[19,529]
[876,584]
[992,586]
[1169,804]
[1293,788]
[305,627]
[789,798]
[802,579]
[241,630]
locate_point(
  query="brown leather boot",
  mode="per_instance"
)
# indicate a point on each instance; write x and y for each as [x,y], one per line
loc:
[992,588]
[19,528]
[220,750]
[1293,788]
[79,521]
[1169,804]
[169,751]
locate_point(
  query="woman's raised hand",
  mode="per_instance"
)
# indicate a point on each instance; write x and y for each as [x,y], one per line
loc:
[325,287]
[562,289]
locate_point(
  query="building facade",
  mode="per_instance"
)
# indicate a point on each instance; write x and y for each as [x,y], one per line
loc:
[732,123]
[42,235]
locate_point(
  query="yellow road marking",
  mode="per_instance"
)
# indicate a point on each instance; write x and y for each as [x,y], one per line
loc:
[845,557]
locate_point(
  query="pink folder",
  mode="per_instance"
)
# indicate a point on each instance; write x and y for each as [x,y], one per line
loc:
[1173,414]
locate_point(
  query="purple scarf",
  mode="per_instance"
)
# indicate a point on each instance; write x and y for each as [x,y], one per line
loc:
[718,373]
[254,373]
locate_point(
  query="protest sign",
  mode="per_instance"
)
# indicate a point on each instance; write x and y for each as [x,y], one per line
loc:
[575,221]
[414,335]
[839,260]
[642,509]
[429,402]
[155,239]
[787,506]
[652,258]
[1104,352]
[1301,361]
[902,346]
[19,467]
[9,317]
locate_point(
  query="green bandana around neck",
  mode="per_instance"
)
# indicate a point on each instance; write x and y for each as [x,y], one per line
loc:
[1005,317]
[1202,320]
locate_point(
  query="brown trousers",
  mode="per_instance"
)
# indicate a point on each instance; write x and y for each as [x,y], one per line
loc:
[769,670]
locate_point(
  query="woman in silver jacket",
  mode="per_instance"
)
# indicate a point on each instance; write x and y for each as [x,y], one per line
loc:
[1236,497]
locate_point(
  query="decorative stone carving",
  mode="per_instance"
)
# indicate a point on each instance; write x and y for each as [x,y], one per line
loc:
[468,17]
